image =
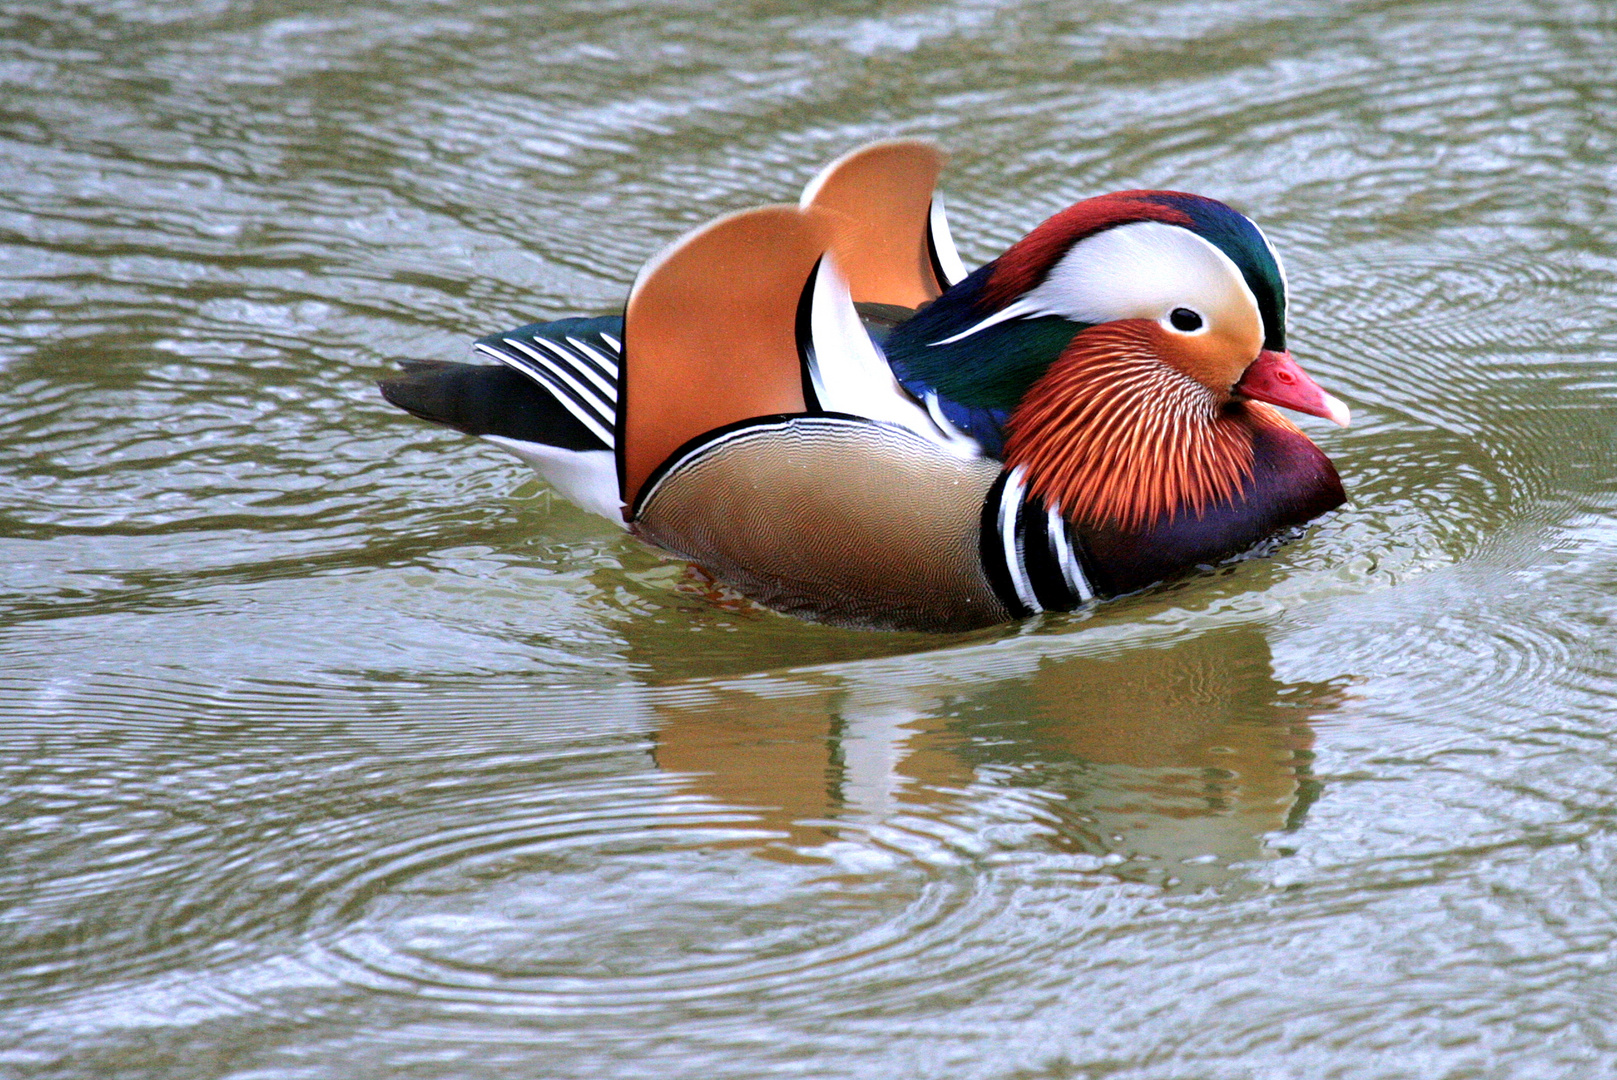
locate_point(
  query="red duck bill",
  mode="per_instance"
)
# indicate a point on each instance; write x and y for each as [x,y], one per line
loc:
[1274,377]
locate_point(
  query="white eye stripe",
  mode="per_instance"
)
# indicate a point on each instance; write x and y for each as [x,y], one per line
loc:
[1016,309]
[1145,270]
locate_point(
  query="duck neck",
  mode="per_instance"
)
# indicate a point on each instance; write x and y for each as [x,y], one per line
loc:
[1152,472]
[1119,440]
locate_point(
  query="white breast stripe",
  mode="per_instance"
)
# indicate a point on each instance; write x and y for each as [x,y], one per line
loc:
[949,431]
[1056,527]
[1010,503]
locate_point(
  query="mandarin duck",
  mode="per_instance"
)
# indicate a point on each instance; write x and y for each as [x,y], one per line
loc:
[820,407]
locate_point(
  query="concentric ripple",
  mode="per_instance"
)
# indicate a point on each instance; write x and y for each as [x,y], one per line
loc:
[335,746]
[582,921]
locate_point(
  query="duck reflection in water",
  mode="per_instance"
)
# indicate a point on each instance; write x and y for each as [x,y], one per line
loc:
[1176,763]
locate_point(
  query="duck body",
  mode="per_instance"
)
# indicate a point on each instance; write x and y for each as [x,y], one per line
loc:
[821,408]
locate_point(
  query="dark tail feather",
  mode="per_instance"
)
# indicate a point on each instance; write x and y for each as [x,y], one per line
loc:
[486,399]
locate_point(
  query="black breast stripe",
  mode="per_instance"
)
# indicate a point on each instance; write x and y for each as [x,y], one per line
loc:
[1029,553]
[1005,529]
[1055,563]
[1039,558]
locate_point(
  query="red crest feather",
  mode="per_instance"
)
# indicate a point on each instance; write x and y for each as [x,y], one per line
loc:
[1023,266]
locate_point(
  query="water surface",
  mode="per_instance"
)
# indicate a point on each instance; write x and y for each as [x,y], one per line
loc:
[334,746]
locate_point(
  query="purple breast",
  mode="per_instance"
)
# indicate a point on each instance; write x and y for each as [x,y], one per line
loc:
[1292,482]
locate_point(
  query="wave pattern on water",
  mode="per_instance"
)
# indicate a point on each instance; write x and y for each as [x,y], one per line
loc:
[337,747]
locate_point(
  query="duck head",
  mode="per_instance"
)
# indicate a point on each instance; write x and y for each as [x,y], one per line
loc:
[1124,355]
[1203,273]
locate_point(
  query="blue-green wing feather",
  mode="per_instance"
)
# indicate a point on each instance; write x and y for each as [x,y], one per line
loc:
[978,380]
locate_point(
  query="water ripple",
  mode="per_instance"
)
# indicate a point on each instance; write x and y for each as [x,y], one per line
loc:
[521,913]
[335,747]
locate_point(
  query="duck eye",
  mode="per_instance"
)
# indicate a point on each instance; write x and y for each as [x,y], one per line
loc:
[1184,319]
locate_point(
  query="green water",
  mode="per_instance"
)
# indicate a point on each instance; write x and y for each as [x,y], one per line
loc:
[333,746]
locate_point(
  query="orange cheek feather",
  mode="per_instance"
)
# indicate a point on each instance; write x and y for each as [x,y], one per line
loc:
[1123,431]
[1215,359]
